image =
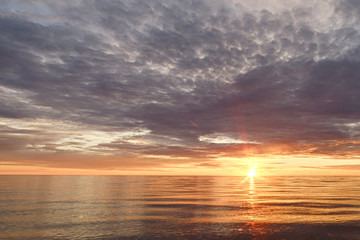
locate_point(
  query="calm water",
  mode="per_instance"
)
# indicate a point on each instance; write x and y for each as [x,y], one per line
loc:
[122,207]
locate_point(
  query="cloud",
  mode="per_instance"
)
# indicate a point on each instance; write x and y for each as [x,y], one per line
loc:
[345,167]
[283,76]
[338,167]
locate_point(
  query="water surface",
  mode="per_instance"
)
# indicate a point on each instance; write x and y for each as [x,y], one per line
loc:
[160,207]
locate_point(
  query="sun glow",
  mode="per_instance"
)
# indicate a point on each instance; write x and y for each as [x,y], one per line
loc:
[252,172]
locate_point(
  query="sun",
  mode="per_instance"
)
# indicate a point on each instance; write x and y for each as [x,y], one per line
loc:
[252,172]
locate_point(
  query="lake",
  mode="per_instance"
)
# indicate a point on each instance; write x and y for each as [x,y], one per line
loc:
[179,207]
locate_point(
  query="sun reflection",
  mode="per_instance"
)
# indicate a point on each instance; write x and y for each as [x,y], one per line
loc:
[250,226]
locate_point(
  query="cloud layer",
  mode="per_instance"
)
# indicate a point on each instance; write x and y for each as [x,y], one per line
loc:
[165,82]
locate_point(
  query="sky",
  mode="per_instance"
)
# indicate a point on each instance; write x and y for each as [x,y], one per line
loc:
[206,87]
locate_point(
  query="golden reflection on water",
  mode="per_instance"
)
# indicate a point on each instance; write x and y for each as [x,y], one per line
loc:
[101,207]
[254,228]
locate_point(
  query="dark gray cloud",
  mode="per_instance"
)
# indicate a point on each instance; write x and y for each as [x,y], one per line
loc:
[180,70]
